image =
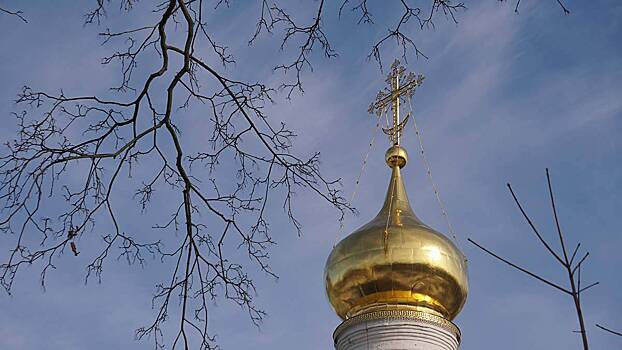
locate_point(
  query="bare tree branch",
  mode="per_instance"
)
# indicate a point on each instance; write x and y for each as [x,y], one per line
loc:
[60,134]
[19,14]
[572,270]
[609,330]
[541,279]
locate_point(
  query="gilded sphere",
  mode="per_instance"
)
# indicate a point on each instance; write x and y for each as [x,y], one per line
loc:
[396,155]
[396,261]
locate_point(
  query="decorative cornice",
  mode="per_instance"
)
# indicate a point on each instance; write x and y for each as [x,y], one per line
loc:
[399,314]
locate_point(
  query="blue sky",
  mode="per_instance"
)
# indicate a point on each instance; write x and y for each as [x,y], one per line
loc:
[505,96]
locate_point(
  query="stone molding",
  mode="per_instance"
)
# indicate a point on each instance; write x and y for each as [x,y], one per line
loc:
[422,317]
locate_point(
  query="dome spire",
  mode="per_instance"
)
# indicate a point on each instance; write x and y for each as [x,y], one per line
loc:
[396,201]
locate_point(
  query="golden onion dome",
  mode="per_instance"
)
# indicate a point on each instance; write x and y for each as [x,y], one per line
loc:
[396,261]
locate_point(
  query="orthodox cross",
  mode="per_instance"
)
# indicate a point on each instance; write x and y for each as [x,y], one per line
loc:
[393,94]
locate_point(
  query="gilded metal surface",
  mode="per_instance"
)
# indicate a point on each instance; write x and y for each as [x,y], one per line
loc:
[396,155]
[399,314]
[396,260]
[400,86]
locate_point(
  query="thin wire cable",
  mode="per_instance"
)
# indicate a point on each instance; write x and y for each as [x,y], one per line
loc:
[358,179]
[426,163]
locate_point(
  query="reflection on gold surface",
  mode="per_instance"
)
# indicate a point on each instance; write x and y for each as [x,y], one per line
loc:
[434,254]
[409,264]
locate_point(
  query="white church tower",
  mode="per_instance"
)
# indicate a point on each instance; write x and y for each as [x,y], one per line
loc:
[396,283]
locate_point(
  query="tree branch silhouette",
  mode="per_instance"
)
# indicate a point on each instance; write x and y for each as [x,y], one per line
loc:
[19,14]
[565,260]
[609,330]
[71,151]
